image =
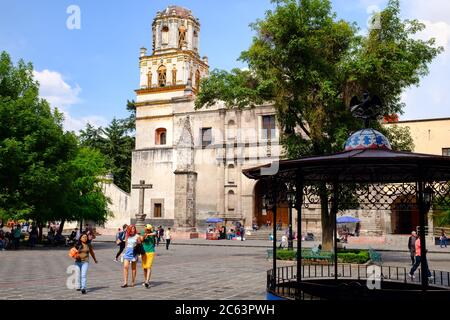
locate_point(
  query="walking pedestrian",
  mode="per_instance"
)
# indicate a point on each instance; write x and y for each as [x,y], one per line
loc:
[130,257]
[443,239]
[148,241]
[418,261]
[84,249]
[242,230]
[168,238]
[33,236]
[412,246]
[120,241]
[17,235]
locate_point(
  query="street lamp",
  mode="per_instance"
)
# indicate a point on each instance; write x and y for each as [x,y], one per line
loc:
[291,201]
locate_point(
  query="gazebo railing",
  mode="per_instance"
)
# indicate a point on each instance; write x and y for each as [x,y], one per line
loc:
[286,277]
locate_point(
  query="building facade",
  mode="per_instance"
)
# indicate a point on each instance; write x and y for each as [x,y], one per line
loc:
[194,158]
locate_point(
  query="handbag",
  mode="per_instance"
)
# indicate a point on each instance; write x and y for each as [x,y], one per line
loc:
[118,242]
[138,250]
[73,253]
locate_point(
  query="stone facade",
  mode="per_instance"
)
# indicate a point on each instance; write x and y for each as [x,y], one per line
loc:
[194,158]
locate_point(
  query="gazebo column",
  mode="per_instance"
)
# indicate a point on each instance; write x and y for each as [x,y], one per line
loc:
[299,203]
[423,250]
[275,204]
[334,210]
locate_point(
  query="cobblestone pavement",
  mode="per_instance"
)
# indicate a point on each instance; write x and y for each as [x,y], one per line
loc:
[184,272]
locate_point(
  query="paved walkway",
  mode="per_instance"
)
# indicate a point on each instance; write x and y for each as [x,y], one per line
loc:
[269,244]
[189,270]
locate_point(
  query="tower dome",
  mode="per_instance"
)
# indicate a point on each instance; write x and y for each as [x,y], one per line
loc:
[367,139]
[175,28]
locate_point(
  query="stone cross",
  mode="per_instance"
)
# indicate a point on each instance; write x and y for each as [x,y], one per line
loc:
[140,216]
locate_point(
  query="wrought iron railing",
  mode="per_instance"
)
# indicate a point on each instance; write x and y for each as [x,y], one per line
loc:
[286,277]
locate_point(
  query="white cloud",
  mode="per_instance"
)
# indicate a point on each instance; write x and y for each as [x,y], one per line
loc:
[439,30]
[63,96]
[55,90]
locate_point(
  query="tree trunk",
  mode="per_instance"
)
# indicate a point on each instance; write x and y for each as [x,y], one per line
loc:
[327,221]
[61,227]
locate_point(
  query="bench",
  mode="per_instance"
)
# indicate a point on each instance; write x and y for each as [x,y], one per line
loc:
[375,257]
[269,254]
[317,254]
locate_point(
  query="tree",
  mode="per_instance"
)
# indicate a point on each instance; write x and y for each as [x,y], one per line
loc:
[44,175]
[33,145]
[309,65]
[116,144]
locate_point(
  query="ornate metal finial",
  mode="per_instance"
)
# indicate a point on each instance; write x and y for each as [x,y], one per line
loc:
[367,109]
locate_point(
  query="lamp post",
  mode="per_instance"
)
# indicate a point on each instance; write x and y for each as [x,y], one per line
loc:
[291,201]
[269,202]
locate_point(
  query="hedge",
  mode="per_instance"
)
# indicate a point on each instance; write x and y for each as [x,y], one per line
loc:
[345,256]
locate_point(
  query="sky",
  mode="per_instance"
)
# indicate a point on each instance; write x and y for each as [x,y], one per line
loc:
[90,72]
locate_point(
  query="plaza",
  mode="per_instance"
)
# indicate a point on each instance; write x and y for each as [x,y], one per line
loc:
[190,270]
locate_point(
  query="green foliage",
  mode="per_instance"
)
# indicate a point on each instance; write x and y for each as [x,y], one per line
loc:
[400,137]
[115,143]
[38,175]
[344,256]
[309,65]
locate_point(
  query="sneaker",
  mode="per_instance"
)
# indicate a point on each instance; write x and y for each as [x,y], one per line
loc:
[78,289]
[147,285]
[83,291]
[412,276]
[115,260]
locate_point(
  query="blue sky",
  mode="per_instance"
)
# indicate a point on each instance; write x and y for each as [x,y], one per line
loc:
[90,73]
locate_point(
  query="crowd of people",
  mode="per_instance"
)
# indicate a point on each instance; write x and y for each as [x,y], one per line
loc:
[133,245]
[235,233]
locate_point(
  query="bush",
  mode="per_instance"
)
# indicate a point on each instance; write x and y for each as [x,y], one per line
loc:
[345,256]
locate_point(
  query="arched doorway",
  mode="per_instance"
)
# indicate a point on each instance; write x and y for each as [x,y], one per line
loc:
[404,215]
[261,216]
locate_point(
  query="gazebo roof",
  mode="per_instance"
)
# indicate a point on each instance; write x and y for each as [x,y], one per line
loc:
[366,165]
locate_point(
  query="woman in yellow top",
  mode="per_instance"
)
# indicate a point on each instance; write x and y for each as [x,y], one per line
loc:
[148,238]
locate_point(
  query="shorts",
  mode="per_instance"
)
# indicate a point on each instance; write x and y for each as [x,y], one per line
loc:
[147,260]
[129,255]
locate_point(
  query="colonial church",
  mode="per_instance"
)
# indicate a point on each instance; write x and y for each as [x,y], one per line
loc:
[193,159]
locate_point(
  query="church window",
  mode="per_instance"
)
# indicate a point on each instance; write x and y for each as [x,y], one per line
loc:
[174,76]
[165,35]
[162,76]
[268,127]
[161,137]
[195,40]
[157,210]
[181,37]
[206,137]
[231,200]
[231,130]
[446,152]
[197,80]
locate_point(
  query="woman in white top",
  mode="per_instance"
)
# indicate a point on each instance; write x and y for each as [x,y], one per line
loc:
[131,240]
[168,238]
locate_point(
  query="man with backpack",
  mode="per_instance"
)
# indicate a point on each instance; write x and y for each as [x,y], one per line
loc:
[120,241]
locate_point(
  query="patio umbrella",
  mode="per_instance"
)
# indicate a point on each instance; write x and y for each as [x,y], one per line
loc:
[214,220]
[347,220]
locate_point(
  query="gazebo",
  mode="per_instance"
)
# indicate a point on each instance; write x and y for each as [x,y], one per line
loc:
[367,175]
